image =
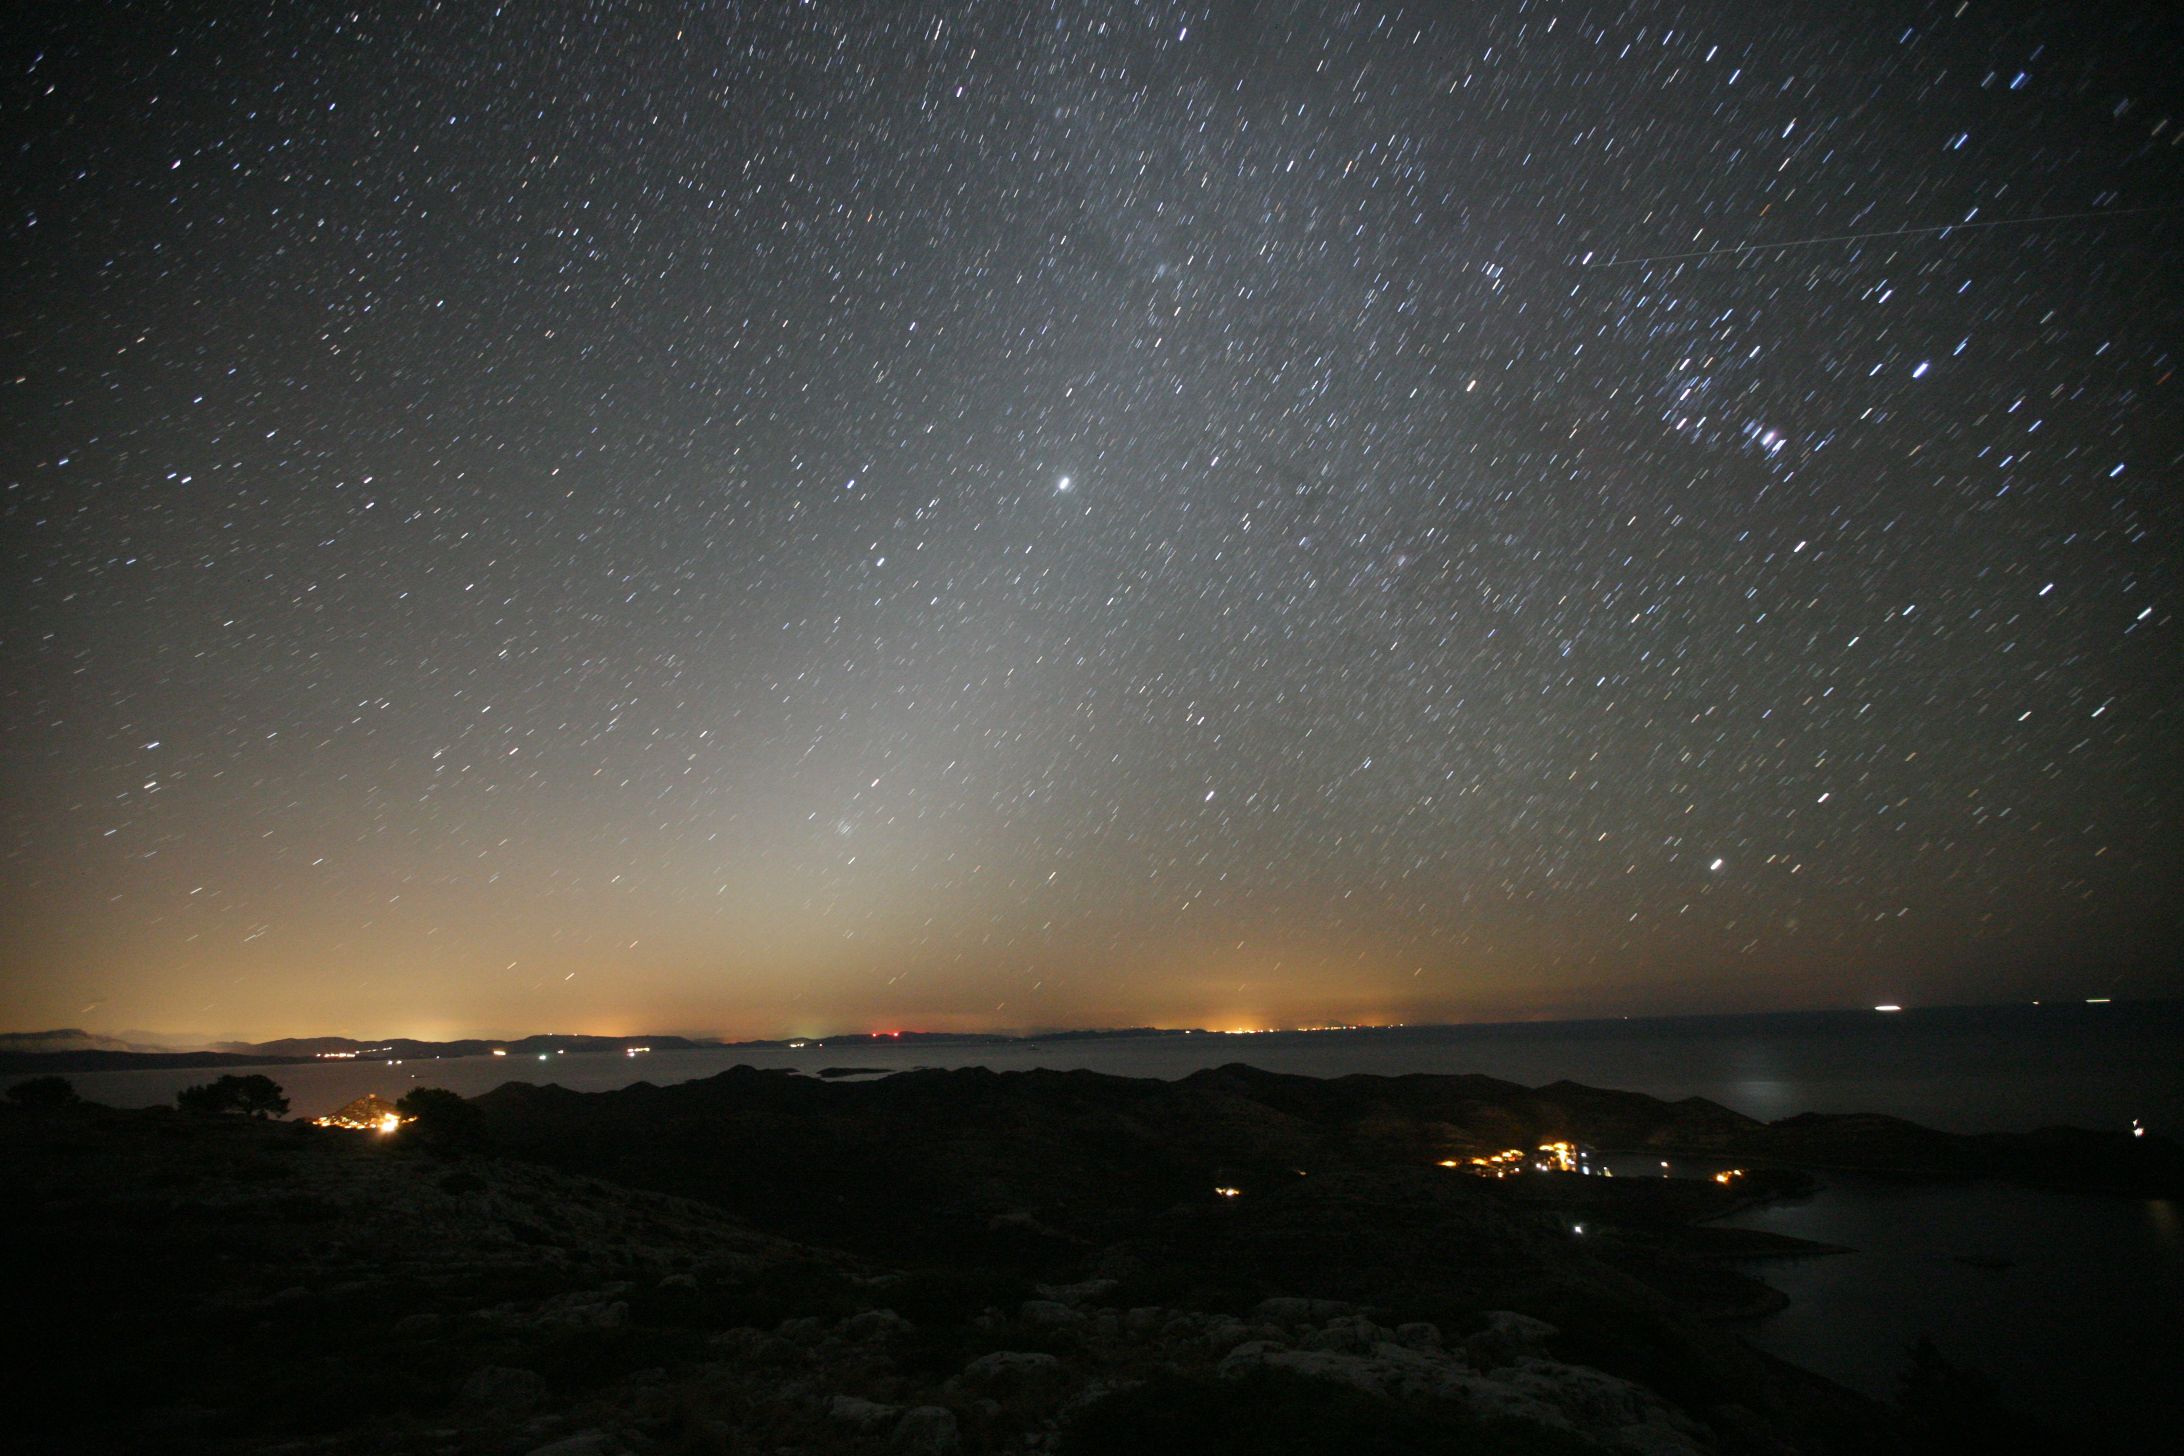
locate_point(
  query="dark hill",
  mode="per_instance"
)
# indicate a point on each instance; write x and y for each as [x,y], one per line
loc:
[1060,1262]
[1074,1152]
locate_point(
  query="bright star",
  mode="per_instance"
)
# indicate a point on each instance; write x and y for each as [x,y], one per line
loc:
[1062,484]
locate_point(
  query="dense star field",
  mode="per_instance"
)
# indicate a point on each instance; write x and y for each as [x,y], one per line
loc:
[787,517]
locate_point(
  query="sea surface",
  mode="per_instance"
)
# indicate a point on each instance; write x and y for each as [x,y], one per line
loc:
[2072,1303]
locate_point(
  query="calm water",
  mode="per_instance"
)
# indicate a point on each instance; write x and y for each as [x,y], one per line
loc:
[2072,1302]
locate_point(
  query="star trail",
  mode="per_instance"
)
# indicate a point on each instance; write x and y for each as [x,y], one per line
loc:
[774,518]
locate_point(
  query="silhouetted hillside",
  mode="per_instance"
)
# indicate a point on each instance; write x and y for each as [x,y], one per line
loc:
[944,1261]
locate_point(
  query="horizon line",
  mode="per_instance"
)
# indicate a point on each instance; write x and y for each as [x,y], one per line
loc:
[1324,1028]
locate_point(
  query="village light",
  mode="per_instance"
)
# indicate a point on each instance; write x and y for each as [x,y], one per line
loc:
[369,1113]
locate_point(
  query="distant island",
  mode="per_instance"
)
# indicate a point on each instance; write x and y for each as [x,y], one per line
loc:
[72,1050]
[75,1050]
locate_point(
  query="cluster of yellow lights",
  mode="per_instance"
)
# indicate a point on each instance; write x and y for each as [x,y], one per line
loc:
[1496,1165]
[1556,1156]
[1276,1030]
[385,1122]
[1227,1192]
[1728,1175]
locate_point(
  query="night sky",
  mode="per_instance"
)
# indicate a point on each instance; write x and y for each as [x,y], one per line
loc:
[804,517]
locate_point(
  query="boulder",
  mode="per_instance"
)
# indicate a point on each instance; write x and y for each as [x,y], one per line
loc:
[927,1430]
[1349,1332]
[501,1390]
[1593,1399]
[1290,1310]
[1508,1336]
[865,1415]
[584,1443]
[1522,1328]
[806,1329]
[1226,1334]
[1395,1371]
[1048,1314]
[744,1344]
[1419,1335]
[1488,1397]
[1655,1438]
[1012,1372]
[876,1324]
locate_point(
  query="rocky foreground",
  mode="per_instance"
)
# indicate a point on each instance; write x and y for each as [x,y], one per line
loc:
[942,1262]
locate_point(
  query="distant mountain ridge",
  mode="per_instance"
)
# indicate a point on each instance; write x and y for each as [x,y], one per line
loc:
[72,1039]
[70,1050]
[403,1046]
[970,1145]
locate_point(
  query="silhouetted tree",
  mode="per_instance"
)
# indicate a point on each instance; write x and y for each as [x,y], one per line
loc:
[444,1121]
[254,1096]
[43,1094]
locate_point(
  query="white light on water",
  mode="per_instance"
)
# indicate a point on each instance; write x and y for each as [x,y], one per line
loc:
[1890,1006]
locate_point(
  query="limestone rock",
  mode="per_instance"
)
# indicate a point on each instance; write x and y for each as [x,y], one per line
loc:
[1348,1332]
[1048,1314]
[1009,1372]
[503,1391]
[584,1443]
[876,1324]
[1289,1310]
[1419,1335]
[865,1415]
[1508,1336]
[927,1430]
